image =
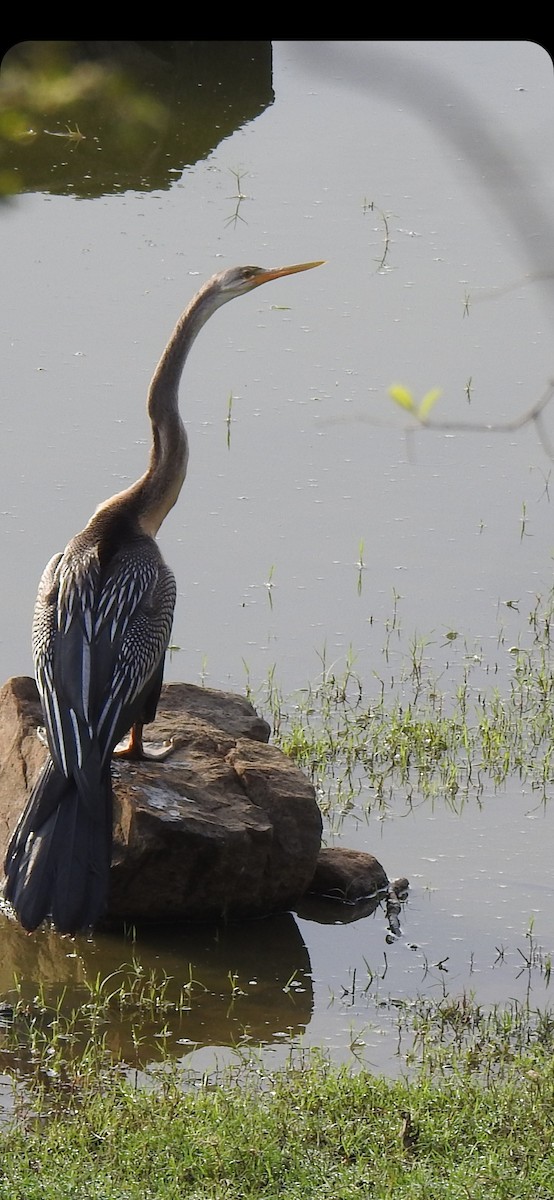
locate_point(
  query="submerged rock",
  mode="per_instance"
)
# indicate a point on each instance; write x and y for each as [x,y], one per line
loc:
[350,884]
[348,875]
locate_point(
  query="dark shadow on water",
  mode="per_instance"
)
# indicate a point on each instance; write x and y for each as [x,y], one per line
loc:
[326,911]
[92,118]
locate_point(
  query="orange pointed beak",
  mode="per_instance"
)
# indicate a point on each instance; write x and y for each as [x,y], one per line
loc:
[276,272]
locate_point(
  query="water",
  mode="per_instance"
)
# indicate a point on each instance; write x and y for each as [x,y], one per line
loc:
[423,174]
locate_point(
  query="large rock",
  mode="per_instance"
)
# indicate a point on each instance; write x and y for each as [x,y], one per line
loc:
[227,826]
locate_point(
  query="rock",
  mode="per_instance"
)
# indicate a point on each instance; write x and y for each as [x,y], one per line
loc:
[350,884]
[227,826]
[348,875]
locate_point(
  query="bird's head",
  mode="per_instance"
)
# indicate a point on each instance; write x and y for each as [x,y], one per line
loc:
[236,281]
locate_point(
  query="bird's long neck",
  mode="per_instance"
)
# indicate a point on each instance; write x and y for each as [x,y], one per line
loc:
[153,495]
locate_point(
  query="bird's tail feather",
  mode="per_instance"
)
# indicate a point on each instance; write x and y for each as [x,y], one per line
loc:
[58,860]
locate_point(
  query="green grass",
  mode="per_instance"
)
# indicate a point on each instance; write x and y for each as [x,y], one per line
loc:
[311,1130]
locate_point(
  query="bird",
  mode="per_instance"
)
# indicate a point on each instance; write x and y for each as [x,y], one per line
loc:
[101,627]
[409,1133]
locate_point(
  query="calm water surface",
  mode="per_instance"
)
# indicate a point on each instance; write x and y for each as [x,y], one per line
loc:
[423,174]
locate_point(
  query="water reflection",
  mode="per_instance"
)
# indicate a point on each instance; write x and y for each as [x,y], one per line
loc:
[220,985]
[96,118]
[326,911]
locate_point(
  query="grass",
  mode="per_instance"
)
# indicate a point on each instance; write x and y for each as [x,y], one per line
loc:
[472,1117]
[410,738]
[310,1130]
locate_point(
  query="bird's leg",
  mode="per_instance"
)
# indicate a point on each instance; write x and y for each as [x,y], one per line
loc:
[134,748]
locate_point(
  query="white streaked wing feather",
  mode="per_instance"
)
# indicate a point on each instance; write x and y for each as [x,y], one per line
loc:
[95,651]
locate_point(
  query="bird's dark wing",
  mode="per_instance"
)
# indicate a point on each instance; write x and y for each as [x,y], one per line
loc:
[132,633]
[99,639]
[46,638]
